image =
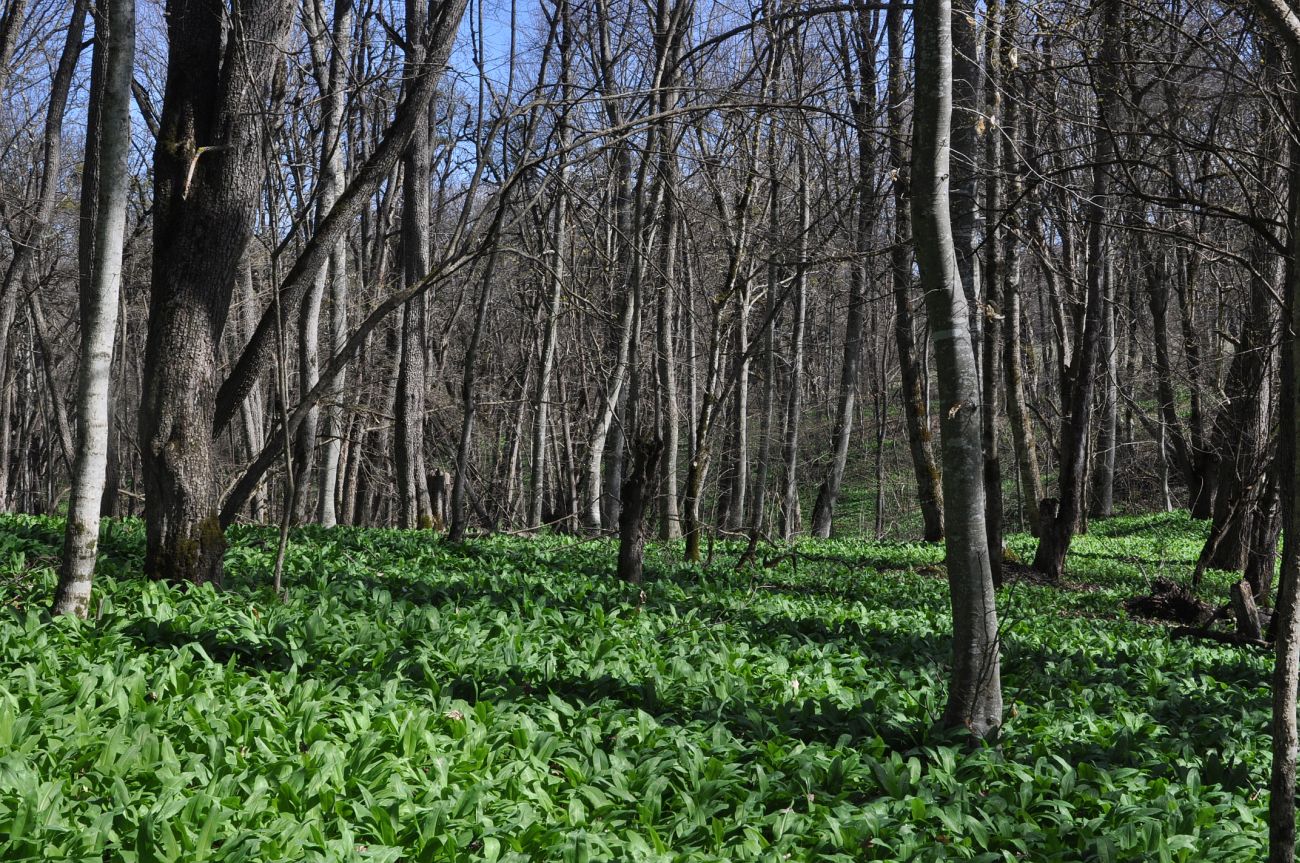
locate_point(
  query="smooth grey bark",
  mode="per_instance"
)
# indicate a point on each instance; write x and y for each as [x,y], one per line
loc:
[924,467]
[252,411]
[600,503]
[791,518]
[670,221]
[735,499]
[864,109]
[975,691]
[332,74]
[968,128]
[103,229]
[669,520]
[556,275]
[1103,482]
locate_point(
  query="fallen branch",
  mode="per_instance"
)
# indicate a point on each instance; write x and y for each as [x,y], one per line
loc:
[1232,638]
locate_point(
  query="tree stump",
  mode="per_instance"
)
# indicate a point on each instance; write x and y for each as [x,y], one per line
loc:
[1247,614]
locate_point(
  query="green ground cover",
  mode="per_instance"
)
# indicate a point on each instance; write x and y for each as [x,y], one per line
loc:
[510,701]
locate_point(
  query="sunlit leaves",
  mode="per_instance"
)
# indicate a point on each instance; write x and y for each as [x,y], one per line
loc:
[510,701]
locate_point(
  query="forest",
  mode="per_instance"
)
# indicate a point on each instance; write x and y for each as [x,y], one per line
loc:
[584,430]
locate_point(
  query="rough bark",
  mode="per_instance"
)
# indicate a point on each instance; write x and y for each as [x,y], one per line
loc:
[638,491]
[208,170]
[408,423]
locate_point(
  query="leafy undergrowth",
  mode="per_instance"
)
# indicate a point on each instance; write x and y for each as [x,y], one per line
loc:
[509,700]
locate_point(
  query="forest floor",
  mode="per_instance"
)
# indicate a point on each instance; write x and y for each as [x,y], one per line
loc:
[509,700]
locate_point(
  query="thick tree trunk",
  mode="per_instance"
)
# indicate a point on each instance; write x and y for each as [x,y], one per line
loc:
[208,170]
[103,229]
[975,692]
[638,491]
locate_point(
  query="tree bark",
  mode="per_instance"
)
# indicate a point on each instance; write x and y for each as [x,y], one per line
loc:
[1022,429]
[103,229]
[975,691]
[864,108]
[408,424]
[333,78]
[924,468]
[1057,532]
[791,519]
[208,170]
[992,311]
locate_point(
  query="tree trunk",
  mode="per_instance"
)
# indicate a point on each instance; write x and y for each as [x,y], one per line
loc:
[791,518]
[916,410]
[103,228]
[1286,619]
[208,170]
[1103,486]
[637,493]
[864,107]
[334,78]
[546,368]
[1075,427]
[1022,429]
[993,310]
[669,519]
[460,482]
[967,132]
[975,692]
[409,414]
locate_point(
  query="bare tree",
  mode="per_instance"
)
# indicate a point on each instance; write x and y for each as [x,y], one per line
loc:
[975,693]
[103,229]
